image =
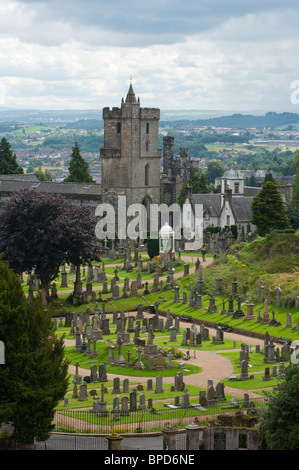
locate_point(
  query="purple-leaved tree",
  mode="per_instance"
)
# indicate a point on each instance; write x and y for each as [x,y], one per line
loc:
[40,231]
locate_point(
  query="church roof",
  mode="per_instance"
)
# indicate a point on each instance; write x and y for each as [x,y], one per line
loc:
[69,189]
[20,177]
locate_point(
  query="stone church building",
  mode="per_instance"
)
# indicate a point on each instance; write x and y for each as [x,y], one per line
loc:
[130,162]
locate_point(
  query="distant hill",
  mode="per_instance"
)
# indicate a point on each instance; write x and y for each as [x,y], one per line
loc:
[174,119]
[31,116]
[240,121]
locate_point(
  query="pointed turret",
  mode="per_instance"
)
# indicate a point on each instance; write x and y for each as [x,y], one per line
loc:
[131,98]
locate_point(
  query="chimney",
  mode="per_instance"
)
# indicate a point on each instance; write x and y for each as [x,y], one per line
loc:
[188,191]
[228,194]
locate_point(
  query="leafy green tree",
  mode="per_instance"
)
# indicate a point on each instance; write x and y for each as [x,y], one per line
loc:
[43,175]
[280,423]
[203,184]
[78,168]
[34,376]
[252,181]
[268,210]
[197,183]
[8,160]
[215,169]
[268,177]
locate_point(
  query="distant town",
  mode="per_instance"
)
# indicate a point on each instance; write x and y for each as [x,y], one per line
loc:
[256,144]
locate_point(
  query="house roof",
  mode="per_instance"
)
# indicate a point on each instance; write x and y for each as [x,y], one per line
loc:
[211,202]
[251,190]
[67,189]
[241,207]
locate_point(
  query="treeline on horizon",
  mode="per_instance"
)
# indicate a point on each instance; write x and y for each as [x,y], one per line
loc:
[238,121]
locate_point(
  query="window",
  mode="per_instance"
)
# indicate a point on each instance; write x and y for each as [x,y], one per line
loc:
[118,127]
[236,188]
[147,145]
[146,177]
[147,127]
[242,441]
[227,220]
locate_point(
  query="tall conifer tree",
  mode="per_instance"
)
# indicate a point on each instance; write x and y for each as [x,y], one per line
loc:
[34,376]
[78,168]
[8,160]
[268,210]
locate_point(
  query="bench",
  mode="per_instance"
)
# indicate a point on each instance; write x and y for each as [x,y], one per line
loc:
[284,340]
[186,317]
[223,326]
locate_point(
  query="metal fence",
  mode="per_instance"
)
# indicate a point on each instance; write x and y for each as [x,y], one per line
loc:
[73,442]
[142,421]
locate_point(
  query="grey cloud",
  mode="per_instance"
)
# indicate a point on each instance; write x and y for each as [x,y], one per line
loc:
[139,23]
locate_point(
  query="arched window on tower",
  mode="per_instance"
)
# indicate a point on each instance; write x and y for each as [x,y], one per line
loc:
[146,178]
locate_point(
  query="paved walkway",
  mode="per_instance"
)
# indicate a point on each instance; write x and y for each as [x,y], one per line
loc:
[214,366]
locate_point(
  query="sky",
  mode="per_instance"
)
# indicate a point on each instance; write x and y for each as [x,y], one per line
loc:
[195,55]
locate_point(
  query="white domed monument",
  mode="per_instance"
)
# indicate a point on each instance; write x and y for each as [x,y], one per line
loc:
[166,241]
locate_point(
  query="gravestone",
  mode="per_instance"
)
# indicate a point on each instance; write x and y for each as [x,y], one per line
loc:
[142,404]
[133,400]
[176,295]
[116,387]
[124,411]
[134,288]
[159,384]
[83,392]
[249,314]
[160,365]
[139,315]
[115,292]
[278,296]
[244,370]
[289,320]
[266,317]
[185,400]
[172,333]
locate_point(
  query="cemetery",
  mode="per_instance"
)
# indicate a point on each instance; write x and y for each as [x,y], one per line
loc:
[177,340]
[145,343]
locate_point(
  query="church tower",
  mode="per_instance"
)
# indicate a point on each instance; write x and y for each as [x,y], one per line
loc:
[131,155]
